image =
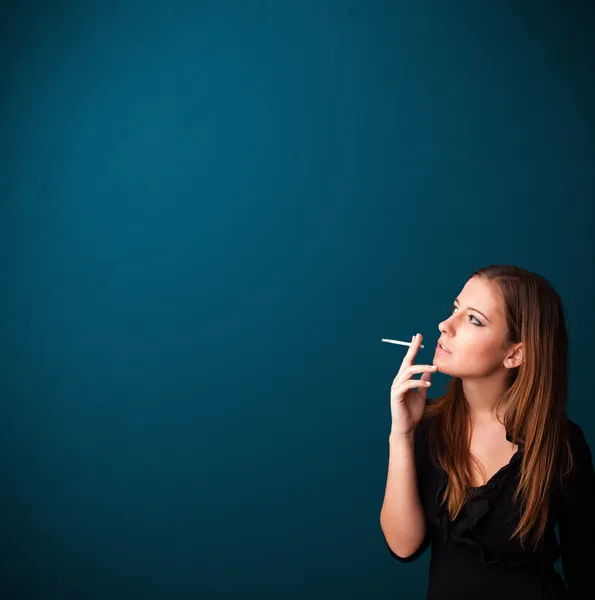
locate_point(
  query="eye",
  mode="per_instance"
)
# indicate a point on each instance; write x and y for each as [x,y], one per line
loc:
[477,323]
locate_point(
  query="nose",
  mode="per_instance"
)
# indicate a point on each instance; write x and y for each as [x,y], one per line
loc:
[445,326]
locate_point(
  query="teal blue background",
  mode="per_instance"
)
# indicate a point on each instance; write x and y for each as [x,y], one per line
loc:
[210,214]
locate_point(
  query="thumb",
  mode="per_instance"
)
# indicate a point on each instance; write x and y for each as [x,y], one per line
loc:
[425,376]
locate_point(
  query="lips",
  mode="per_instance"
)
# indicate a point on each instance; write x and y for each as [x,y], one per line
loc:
[444,347]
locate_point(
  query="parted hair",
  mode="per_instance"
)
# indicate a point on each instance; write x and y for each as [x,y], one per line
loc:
[535,402]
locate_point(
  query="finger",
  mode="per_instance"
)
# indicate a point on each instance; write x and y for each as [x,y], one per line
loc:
[421,369]
[416,383]
[427,375]
[413,370]
[426,383]
[415,343]
[410,385]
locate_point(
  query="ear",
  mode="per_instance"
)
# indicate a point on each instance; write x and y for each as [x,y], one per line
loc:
[514,358]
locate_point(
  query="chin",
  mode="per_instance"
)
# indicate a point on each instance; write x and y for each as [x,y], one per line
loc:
[446,369]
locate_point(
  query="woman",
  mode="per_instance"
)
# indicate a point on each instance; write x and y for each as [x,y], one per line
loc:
[485,472]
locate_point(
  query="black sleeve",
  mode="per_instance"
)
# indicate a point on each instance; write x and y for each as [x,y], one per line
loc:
[420,453]
[576,524]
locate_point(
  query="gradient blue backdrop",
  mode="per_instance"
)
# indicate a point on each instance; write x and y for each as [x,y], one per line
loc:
[210,214]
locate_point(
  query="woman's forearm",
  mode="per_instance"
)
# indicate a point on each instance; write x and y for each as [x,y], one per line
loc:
[401,517]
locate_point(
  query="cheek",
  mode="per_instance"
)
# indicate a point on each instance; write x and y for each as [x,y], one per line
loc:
[476,358]
[482,347]
[478,348]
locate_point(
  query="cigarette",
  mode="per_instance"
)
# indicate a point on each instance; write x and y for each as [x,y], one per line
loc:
[398,342]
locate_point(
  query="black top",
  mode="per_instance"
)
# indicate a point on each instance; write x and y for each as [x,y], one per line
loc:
[472,557]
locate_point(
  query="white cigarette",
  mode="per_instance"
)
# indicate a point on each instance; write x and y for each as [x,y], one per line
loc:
[398,342]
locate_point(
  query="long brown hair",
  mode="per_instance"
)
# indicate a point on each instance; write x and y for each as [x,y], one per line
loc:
[536,401]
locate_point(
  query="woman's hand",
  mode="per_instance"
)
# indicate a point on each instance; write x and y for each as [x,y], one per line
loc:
[406,404]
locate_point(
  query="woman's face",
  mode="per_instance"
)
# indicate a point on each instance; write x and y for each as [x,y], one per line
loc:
[475,333]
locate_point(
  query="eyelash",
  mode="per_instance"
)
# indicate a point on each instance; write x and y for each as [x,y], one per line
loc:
[478,324]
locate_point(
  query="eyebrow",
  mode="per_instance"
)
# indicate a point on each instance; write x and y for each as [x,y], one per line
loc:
[471,308]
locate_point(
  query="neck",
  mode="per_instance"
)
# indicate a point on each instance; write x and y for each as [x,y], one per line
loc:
[482,394]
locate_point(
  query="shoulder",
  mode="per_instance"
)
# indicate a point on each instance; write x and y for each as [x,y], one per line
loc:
[581,460]
[578,442]
[575,491]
